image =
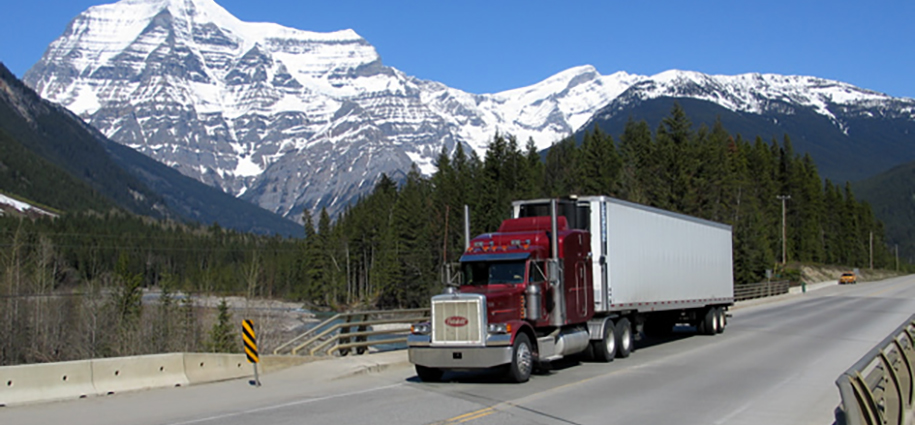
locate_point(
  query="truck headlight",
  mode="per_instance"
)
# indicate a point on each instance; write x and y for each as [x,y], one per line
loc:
[500,328]
[420,329]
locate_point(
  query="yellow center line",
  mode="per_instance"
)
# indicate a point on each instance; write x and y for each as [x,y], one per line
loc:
[484,412]
[476,414]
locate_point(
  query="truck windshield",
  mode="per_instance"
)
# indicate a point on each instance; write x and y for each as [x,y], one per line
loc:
[485,273]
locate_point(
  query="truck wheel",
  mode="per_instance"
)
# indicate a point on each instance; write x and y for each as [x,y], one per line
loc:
[709,325]
[522,359]
[624,338]
[604,350]
[429,374]
[722,319]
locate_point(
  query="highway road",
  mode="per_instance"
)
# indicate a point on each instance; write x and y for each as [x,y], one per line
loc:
[775,364]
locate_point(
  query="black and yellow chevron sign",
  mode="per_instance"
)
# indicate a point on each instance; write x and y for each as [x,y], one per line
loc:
[250,341]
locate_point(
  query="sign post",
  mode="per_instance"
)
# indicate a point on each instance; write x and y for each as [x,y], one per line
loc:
[251,346]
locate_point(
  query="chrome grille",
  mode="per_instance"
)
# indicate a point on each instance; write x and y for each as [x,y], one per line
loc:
[458,319]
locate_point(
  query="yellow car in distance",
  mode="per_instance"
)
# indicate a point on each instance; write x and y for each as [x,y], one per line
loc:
[848,277]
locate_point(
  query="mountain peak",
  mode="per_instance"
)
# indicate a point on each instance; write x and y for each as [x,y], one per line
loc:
[127,16]
[129,41]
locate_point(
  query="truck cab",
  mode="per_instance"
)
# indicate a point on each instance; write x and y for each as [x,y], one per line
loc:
[507,302]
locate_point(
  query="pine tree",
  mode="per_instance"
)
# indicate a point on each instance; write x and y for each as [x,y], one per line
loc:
[599,165]
[832,223]
[635,154]
[532,178]
[716,174]
[332,274]
[447,207]
[852,244]
[128,306]
[163,340]
[560,169]
[308,288]
[412,230]
[222,336]
[811,213]
[676,162]
[497,182]
[762,160]
[378,247]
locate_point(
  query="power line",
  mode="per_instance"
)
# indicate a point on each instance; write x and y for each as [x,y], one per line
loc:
[153,249]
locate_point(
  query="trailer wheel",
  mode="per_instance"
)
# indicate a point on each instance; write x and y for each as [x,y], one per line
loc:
[522,359]
[709,324]
[722,319]
[429,374]
[624,338]
[604,350]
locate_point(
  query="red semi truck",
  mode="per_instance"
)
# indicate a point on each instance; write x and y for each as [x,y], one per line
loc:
[571,276]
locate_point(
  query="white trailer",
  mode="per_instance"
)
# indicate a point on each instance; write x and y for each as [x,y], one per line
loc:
[647,260]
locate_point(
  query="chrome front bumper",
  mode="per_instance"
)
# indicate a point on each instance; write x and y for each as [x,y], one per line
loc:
[460,357]
[420,352]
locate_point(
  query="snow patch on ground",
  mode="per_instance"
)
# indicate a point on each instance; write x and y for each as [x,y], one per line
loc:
[21,207]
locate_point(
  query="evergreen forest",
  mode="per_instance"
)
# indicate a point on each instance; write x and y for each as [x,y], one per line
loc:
[73,287]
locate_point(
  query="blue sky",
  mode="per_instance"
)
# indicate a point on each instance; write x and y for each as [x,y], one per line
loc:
[495,45]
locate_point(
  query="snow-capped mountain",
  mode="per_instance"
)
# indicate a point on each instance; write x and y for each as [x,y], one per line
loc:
[851,133]
[764,93]
[291,119]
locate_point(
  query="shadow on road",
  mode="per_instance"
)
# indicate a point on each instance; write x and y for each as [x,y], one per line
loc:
[497,374]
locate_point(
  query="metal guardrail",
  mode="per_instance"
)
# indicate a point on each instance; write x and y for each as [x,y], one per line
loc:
[878,389]
[347,331]
[750,291]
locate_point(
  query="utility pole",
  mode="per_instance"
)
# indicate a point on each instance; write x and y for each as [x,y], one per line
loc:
[897,257]
[872,250]
[784,198]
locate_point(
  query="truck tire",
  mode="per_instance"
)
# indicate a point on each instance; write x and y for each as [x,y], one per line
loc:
[429,374]
[522,359]
[709,323]
[604,350]
[624,339]
[722,319]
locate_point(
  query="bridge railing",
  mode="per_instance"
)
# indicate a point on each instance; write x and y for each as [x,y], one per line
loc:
[878,389]
[355,331]
[748,291]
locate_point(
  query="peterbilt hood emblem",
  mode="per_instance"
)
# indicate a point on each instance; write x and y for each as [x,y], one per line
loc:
[456,321]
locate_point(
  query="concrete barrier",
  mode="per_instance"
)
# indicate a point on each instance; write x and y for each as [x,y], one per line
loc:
[71,380]
[118,374]
[45,382]
[212,367]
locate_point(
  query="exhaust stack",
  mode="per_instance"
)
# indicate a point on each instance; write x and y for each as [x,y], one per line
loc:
[466,227]
[558,315]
